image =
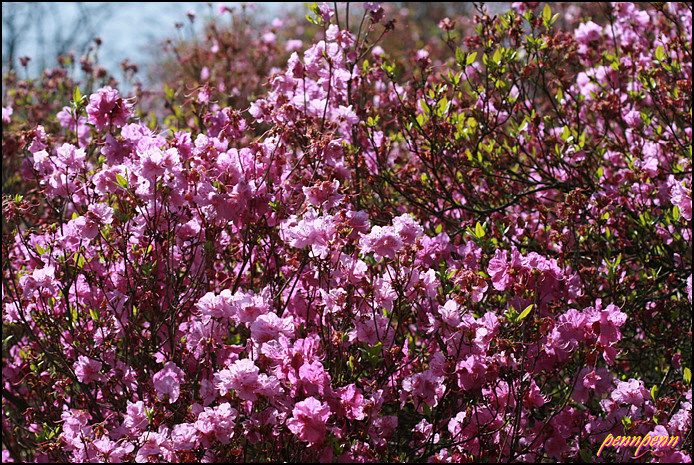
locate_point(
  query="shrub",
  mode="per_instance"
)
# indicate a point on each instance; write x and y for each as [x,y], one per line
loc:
[477,252]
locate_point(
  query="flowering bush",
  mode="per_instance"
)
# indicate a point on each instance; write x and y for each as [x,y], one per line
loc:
[475,253]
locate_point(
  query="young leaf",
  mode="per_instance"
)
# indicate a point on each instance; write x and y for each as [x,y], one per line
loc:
[525,312]
[547,14]
[76,95]
[660,53]
[121,181]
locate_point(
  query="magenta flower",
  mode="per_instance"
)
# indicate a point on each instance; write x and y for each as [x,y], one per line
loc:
[407,228]
[242,377]
[382,241]
[588,32]
[309,419]
[71,157]
[87,370]
[168,381]
[681,197]
[425,387]
[106,108]
[631,392]
[135,419]
[498,270]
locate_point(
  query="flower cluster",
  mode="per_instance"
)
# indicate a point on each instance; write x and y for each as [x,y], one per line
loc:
[476,252]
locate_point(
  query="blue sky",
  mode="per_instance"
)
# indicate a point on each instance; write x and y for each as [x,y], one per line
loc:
[127,30]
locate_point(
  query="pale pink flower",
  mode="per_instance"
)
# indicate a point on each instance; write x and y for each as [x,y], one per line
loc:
[168,381]
[241,376]
[587,32]
[309,420]
[382,241]
[87,370]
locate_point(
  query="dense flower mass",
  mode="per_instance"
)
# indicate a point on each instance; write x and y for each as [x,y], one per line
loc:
[352,248]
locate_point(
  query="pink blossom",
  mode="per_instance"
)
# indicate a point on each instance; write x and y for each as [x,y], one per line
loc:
[383,241]
[6,113]
[425,387]
[498,270]
[168,381]
[87,370]
[522,7]
[407,228]
[588,32]
[681,197]
[241,377]
[471,372]
[185,436]
[268,326]
[106,107]
[631,392]
[352,401]
[135,419]
[218,421]
[309,419]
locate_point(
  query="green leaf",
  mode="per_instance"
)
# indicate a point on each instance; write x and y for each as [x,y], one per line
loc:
[471,58]
[40,249]
[76,95]
[566,133]
[479,231]
[660,53]
[675,213]
[687,376]
[547,14]
[525,312]
[585,455]
[122,181]
[460,57]
[497,56]
[654,392]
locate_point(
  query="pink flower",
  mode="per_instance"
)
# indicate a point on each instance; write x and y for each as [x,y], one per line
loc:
[106,108]
[155,444]
[168,381]
[383,241]
[681,197]
[498,270]
[314,378]
[220,421]
[588,32]
[471,372]
[352,401]
[185,436]
[309,419]
[87,370]
[425,387]
[407,228]
[632,118]
[522,7]
[6,113]
[606,323]
[241,376]
[268,326]
[135,419]
[630,392]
